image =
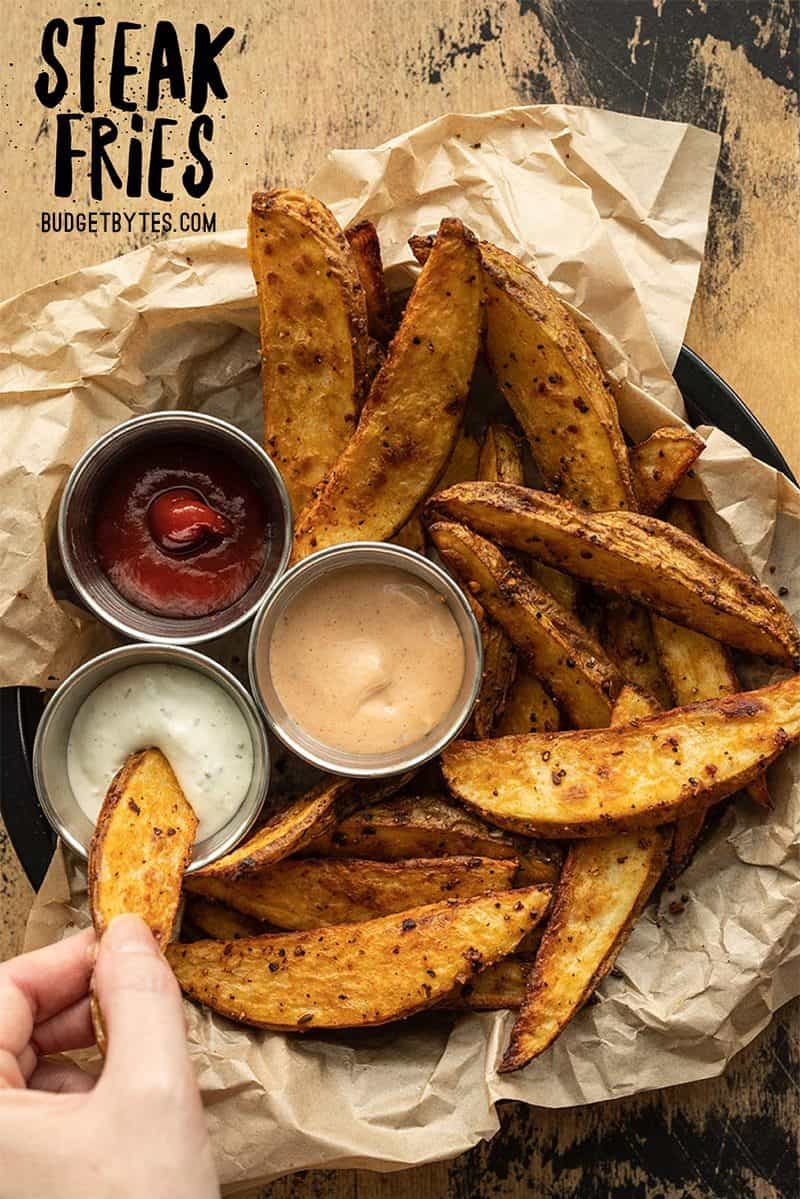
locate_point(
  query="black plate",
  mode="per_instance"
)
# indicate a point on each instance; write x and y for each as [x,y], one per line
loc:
[709,401]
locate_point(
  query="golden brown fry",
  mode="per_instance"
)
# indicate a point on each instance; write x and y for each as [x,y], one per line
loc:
[500,461]
[411,536]
[629,639]
[365,249]
[313,335]
[584,784]
[217,921]
[555,645]
[659,463]
[697,668]
[554,384]
[283,834]
[604,885]
[501,986]
[312,892]
[354,975]
[413,413]
[638,556]
[463,464]
[528,709]
[430,826]
[141,846]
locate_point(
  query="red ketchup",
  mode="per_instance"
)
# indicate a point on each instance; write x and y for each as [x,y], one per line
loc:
[180,531]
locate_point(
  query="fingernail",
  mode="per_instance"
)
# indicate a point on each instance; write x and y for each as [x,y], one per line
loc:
[129,934]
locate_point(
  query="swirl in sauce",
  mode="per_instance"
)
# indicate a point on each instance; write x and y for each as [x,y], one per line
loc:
[367,659]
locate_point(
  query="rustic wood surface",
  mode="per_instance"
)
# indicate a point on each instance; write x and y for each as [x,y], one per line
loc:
[305,77]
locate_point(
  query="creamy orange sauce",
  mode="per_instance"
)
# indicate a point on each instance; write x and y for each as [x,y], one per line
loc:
[367,659]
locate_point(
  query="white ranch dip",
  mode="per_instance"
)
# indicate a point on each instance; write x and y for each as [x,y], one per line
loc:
[186,715]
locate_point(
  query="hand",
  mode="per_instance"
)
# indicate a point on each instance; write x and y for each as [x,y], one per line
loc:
[139,1130]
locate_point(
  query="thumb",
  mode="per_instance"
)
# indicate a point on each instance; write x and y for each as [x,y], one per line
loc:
[140,1002]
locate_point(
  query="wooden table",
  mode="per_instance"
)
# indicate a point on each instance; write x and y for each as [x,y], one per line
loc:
[306,77]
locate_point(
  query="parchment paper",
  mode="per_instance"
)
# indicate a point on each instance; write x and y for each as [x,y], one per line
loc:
[613,210]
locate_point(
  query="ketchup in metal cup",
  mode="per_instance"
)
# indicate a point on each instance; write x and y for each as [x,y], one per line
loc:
[180,531]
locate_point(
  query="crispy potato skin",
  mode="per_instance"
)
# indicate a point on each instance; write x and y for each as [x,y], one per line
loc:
[697,668]
[354,975]
[365,249]
[313,335]
[214,920]
[141,846]
[584,784]
[430,826]
[313,892]
[659,463]
[604,885]
[285,833]
[500,462]
[638,556]
[413,413]
[529,709]
[556,647]
[501,986]
[463,465]
[553,382]
[629,639]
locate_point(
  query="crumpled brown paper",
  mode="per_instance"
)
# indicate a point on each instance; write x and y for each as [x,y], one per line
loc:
[613,209]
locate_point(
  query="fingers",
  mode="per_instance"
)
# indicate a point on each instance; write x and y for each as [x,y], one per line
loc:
[60,1078]
[70,1029]
[11,1076]
[51,979]
[142,1011]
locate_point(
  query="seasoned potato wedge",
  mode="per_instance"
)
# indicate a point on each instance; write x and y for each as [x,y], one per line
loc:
[603,887]
[312,892]
[553,383]
[638,556]
[430,826]
[141,846]
[463,464]
[411,535]
[313,335]
[217,921]
[354,975]
[500,462]
[283,834]
[659,463]
[628,637]
[413,413]
[501,986]
[584,784]
[365,249]
[570,663]
[697,668]
[528,707]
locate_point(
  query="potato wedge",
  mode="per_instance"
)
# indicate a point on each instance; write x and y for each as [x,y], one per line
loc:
[659,463]
[638,556]
[215,920]
[604,885]
[284,833]
[430,826]
[463,465]
[585,784]
[499,987]
[313,324]
[141,846]
[354,975]
[500,462]
[411,535]
[312,892]
[554,644]
[365,249]
[628,638]
[697,668]
[528,707]
[553,383]
[412,416]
